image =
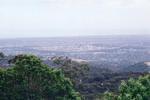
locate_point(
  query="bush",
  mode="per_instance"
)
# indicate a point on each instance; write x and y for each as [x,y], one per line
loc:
[29,79]
[74,70]
[133,89]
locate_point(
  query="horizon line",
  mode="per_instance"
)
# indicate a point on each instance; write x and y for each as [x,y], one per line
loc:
[72,36]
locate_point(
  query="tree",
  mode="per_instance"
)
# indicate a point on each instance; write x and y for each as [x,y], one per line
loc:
[30,79]
[133,89]
[75,70]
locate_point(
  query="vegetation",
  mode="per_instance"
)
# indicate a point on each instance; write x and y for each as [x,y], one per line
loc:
[72,69]
[30,79]
[94,81]
[133,89]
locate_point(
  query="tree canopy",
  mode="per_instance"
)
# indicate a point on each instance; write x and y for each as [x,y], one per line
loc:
[30,79]
[73,69]
[133,89]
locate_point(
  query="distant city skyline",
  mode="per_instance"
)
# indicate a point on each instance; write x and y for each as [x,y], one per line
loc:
[57,18]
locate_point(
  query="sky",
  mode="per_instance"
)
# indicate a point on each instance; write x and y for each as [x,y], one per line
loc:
[52,18]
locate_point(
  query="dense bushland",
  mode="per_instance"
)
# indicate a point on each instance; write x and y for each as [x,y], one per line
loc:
[74,70]
[27,78]
[133,89]
[30,79]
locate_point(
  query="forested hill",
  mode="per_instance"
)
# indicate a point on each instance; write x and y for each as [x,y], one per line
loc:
[89,81]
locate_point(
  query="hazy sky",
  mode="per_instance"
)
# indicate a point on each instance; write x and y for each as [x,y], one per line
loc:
[36,18]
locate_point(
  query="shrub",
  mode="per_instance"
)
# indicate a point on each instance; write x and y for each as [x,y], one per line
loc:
[133,89]
[29,79]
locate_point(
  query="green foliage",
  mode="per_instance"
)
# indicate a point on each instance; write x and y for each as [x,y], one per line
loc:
[29,79]
[109,96]
[133,89]
[76,71]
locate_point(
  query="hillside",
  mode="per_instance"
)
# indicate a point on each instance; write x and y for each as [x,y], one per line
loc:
[139,67]
[91,82]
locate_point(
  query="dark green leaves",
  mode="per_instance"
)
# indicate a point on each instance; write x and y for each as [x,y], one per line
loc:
[29,79]
[133,89]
